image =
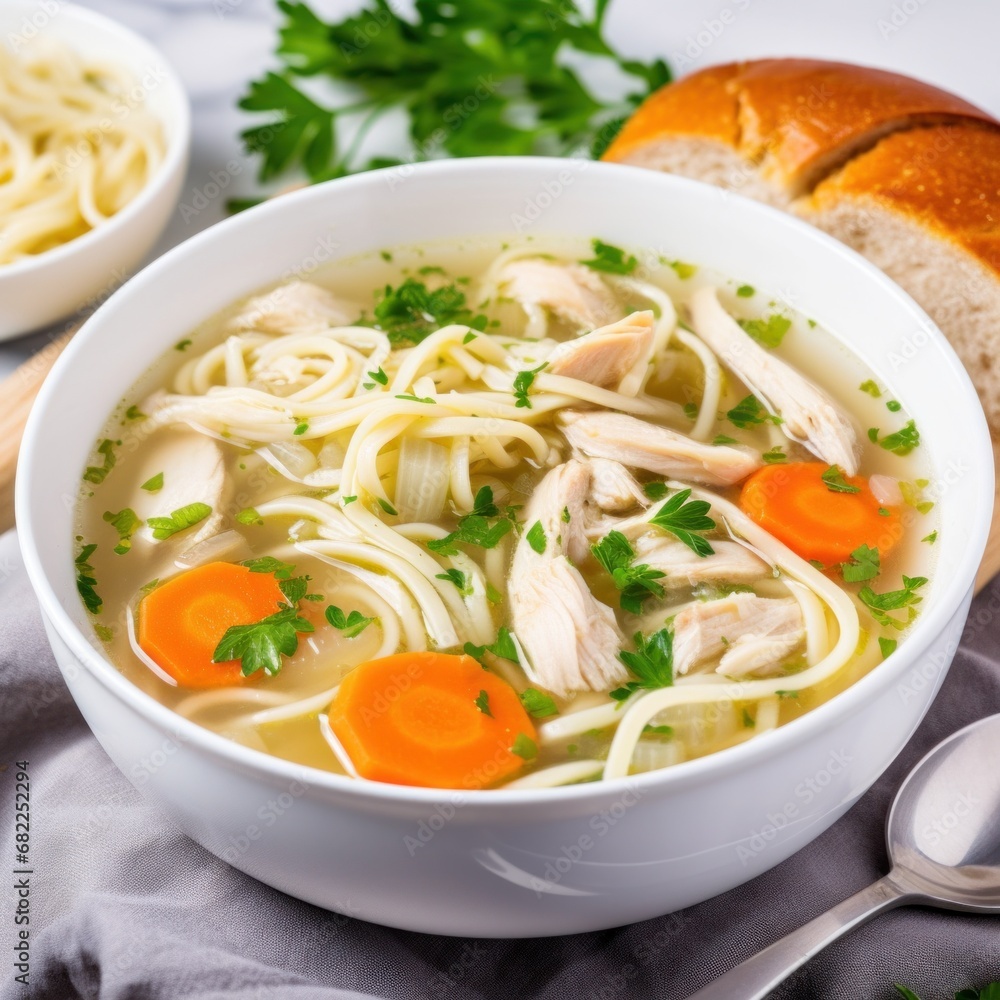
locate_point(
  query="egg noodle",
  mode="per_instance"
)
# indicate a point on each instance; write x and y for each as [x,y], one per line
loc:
[77,144]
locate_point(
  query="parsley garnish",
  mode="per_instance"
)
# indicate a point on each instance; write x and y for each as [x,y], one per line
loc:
[125,523]
[262,644]
[652,663]
[721,439]
[352,624]
[900,442]
[522,383]
[931,538]
[665,731]
[538,704]
[408,313]
[636,583]
[893,406]
[346,500]
[749,411]
[503,646]
[871,388]
[894,600]
[774,456]
[474,528]
[154,484]
[249,516]
[134,413]
[458,578]
[865,564]
[269,564]
[748,720]
[524,747]
[682,270]
[387,507]
[655,491]
[483,703]
[835,481]
[682,518]
[182,345]
[536,537]
[610,259]
[179,520]
[410,398]
[98,473]
[767,332]
[691,411]
[301,428]
[85,582]
[379,376]
[746,291]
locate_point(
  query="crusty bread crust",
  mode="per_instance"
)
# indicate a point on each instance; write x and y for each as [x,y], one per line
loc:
[797,119]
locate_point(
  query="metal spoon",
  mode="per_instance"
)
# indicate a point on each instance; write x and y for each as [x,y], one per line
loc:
[943,834]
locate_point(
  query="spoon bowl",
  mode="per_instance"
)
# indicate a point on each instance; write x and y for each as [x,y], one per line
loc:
[943,833]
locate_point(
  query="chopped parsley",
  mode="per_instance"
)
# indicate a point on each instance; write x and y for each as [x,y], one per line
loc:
[523,382]
[865,564]
[503,646]
[182,345]
[538,704]
[536,537]
[894,600]
[125,522]
[415,399]
[774,456]
[746,291]
[768,332]
[458,578]
[249,516]
[179,520]
[469,337]
[887,646]
[474,528]
[682,270]
[301,428]
[154,484]
[610,259]
[387,507]
[721,439]
[900,442]
[871,388]
[410,312]
[683,517]
[352,624]
[379,376]
[134,413]
[483,703]
[749,411]
[748,720]
[893,406]
[524,747]
[835,481]
[931,538]
[666,732]
[104,632]
[636,583]
[85,582]
[98,473]
[652,663]
[691,411]
[346,500]
[269,564]
[262,644]
[655,491]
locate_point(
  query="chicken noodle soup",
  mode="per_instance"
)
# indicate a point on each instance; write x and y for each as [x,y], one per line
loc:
[520,516]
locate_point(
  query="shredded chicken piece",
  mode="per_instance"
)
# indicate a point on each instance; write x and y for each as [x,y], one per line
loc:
[571,291]
[810,416]
[611,357]
[641,445]
[570,638]
[613,488]
[194,471]
[297,307]
[750,633]
[730,563]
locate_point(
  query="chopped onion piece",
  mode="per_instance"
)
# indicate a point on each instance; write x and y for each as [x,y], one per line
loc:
[886,490]
[421,480]
[226,546]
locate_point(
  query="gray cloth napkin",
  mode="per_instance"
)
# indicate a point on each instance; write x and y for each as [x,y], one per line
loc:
[125,907]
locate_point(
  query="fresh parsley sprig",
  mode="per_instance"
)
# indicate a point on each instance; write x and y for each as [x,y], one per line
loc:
[351,624]
[610,259]
[261,645]
[411,311]
[503,646]
[479,527]
[683,518]
[636,583]
[836,482]
[894,600]
[652,662]
[749,412]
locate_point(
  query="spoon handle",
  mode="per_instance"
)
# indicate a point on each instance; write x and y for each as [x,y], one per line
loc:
[757,976]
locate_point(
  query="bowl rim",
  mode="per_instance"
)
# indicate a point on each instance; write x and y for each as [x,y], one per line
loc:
[493,801]
[175,155]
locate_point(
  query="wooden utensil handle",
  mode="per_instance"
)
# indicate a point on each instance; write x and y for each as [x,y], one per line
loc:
[17,393]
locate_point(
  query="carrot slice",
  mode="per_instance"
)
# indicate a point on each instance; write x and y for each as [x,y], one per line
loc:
[181,623]
[795,505]
[431,719]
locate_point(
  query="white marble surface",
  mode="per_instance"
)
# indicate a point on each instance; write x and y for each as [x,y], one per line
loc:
[218,45]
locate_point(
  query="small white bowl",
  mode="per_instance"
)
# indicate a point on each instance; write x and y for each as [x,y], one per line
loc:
[509,863]
[55,284]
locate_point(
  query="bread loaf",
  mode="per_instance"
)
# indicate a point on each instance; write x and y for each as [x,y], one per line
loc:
[905,173]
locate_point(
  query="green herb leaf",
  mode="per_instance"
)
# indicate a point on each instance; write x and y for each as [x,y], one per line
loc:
[721,439]
[301,428]
[691,411]
[249,516]
[655,491]
[774,456]
[503,646]
[409,312]
[182,345]
[269,564]
[682,517]
[931,538]
[179,520]
[379,376]
[835,481]
[871,388]
[636,583]
[483,703]
[610,259]
[295,589]
[746,291]
[749,412]
[98,473]
[134,413]
[263,644]
[85,582]
[458,578]
[900,442]
[682,270]
[650,730]
[536,537]
[387,507]
[894,600]
[768,332]
[524,747]
[652,663]
[125,522]
[538,704]
[352,624]
[154,484]
[522,383]
[864,565]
